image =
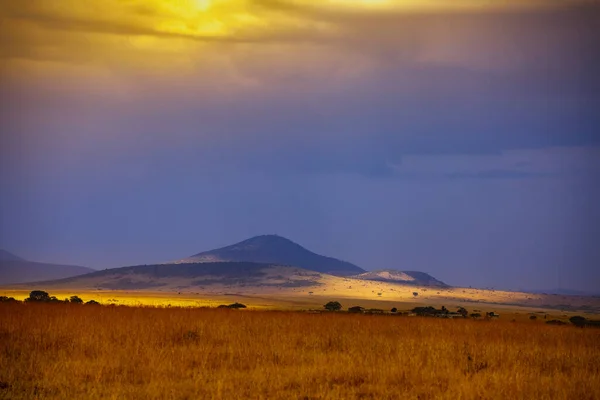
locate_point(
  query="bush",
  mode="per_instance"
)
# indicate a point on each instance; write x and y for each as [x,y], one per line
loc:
[5,299]
[38,295]
[355,309]
[54,299]
[532,317]
[93,303]
[394,310]
[333,306]
[475,315]
[578,321]
[76,300]
[556,322]
[234,306]
[426,311]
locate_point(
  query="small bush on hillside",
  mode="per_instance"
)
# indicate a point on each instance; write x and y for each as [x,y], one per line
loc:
[394,310]
[76,300]
[93,303]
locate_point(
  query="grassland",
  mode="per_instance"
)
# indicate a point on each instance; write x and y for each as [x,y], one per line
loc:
[68,351]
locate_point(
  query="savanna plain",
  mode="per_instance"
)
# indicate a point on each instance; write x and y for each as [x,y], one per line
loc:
[70,351]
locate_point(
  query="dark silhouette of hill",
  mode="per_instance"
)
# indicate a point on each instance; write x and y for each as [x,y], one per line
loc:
[187,275]
[273,249]
[14,269]
[6,256]
[408,277]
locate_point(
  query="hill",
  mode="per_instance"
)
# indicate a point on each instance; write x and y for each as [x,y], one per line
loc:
[14,269]
[406,277]
[193,276]
[273,249]
[6,256]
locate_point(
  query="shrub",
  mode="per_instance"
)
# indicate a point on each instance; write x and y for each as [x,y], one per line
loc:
[415,294]
[394,310]
[234,305]
[355,309]
[532,317]
[578,321]
[426,311]
[93,303]
[556,322]
[76,300]
[475,315]
[38,295]
[333,306]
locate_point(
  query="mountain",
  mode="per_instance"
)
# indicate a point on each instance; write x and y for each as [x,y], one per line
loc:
[14,269]
[273,249]
[407,277]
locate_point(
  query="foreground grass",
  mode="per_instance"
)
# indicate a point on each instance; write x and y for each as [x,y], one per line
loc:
[90,352]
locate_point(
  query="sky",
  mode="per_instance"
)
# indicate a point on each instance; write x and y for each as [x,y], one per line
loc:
[457,138]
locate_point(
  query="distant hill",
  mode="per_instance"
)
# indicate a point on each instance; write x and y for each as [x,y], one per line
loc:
[407,277]
[6,256]
[196,276]
[273,249]
[14,269]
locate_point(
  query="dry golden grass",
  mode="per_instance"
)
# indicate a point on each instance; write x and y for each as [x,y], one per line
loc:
[66,351]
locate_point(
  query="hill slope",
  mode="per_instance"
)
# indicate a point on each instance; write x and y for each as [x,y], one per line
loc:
[273,249]
[192,276]
[14,269]
[6,256]
[407,277]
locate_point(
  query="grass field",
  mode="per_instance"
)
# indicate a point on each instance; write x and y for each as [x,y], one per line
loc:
[68,351]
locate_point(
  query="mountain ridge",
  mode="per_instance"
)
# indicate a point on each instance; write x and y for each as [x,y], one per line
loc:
[406,277]
[275,249]
[16,270]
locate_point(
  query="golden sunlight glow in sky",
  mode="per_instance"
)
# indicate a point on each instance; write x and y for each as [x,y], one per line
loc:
[105,36]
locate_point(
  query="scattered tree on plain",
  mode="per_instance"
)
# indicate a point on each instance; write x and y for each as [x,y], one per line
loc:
[333,306]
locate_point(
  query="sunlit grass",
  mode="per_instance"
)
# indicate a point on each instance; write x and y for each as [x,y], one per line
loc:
[63,351]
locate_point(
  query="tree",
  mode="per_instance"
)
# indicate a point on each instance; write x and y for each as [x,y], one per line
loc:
[38,295]
[394,310]
[463,311]
[93,302]
[76,300]
[333,306]
[415,294]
